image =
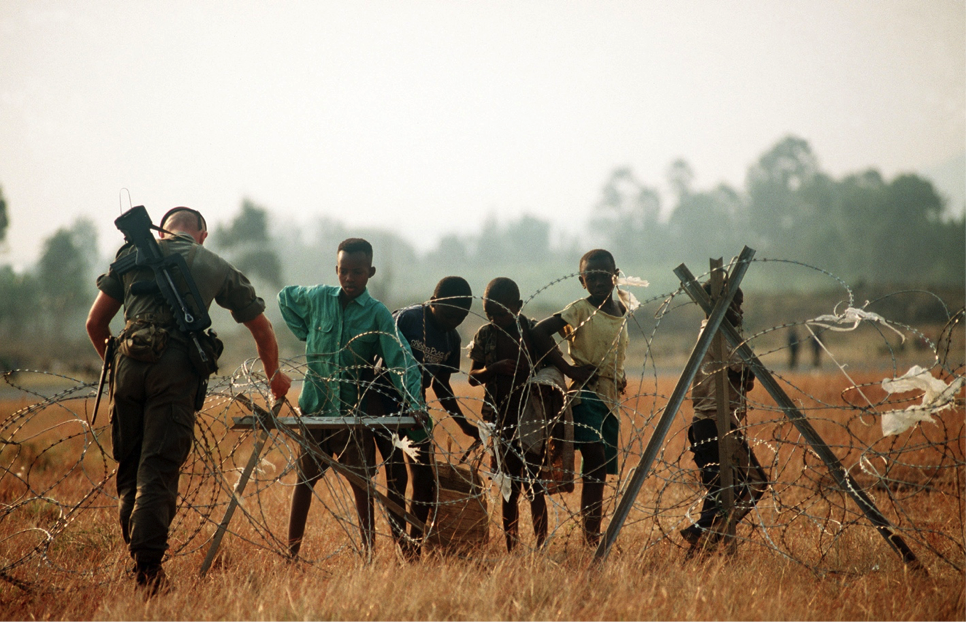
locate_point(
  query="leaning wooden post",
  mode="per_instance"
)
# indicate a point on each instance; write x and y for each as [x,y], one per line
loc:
[725,441]
[264,421]
[715,317]
[798,419]
[253,459]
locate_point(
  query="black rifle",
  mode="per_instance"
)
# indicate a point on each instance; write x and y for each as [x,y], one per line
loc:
[171,275]
[110,345]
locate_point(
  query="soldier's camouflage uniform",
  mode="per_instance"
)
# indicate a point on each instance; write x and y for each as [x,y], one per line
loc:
[153,415]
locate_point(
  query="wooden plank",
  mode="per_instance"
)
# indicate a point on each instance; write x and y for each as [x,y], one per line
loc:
[323,423]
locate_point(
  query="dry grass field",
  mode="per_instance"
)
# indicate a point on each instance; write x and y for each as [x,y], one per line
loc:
[806,554]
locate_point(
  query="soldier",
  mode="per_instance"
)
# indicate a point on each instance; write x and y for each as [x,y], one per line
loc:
[156,388]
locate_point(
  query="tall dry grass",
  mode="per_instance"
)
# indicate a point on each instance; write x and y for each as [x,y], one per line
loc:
[816,570]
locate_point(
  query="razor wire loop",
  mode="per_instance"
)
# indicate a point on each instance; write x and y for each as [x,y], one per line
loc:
[55,477]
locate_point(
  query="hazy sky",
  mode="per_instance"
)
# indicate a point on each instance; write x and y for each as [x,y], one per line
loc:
[427,117]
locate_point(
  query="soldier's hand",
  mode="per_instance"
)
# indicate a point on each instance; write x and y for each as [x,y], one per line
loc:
[280,384]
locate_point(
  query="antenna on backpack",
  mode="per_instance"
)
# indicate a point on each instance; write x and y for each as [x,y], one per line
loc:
[120,200]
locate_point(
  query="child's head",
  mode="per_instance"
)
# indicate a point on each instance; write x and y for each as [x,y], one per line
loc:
[501,302]
[451,302]
[735,313]
[354,266]
[598,273]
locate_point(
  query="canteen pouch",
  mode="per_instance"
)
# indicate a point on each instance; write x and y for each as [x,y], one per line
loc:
[143,341]
[212,347]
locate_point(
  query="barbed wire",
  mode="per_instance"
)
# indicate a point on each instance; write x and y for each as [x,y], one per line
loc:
[58,504]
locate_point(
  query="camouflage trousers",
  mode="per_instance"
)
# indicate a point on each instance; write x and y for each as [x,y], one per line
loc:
[152,428]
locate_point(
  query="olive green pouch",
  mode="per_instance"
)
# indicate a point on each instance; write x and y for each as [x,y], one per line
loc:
[143,341]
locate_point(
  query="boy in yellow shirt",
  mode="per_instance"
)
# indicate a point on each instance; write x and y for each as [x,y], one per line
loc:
[595,328]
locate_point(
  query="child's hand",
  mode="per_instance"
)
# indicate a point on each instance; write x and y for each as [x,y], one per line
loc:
[582,374]
[422,418]
[468,429]
[507,367]
[622,385]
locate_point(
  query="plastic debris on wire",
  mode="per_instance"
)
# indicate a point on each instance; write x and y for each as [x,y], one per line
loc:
[854,317]
[937,396]
[489,438]
[405,444]
[626,297]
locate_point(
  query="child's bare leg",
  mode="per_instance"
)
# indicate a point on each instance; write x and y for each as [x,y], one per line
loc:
[538,509]
[308,473]
[396,480]
[366,513]
[592,490]
[424,488]
[538,499]
[511,516]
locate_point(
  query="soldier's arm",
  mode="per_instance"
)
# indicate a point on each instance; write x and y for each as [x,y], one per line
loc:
[267,346]
[99,321]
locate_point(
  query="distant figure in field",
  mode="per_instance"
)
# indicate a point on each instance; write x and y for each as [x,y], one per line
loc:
[502,355]
[344,330]
[749,479]
[595,329]
[816,352]
[793,346]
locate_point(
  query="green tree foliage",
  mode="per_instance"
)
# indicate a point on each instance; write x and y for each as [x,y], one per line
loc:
[861,228]
[247,244]
[450,251]
[19,301]
[627,215]
[4,219]
[64,276]
[775,185]
[702,225]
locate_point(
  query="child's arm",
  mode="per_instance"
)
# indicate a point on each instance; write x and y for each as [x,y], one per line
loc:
[295,308]
[479,373]
[397,356]
[542,336]
[444,393]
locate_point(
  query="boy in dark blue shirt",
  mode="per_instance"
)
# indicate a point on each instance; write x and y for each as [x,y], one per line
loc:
[430,332]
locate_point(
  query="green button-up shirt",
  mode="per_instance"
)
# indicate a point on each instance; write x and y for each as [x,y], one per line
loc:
[341,344]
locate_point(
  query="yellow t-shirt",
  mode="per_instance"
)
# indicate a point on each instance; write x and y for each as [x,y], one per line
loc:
[599,339]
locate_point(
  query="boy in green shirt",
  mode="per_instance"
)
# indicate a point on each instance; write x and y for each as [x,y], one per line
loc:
[344,330]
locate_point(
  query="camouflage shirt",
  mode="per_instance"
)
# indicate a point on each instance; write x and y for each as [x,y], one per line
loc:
[217,280]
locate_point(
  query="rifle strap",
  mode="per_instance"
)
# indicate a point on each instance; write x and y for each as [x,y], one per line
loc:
[129,261]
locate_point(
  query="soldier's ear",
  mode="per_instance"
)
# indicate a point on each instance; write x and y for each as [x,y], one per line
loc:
[372,271]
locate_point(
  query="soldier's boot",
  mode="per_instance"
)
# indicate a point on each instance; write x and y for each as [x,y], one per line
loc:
[152,580]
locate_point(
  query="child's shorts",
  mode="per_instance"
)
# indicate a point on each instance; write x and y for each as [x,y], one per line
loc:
[353,448]
[595,423]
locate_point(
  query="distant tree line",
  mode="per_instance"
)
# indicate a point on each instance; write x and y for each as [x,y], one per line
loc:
[862,228]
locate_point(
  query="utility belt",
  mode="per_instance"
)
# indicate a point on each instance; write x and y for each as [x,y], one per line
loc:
[146,337]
